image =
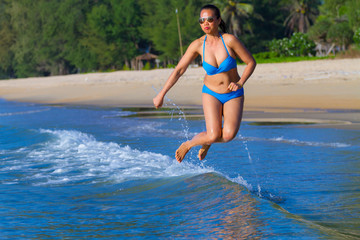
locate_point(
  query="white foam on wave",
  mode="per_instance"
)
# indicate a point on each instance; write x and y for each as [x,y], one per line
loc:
[23,112]
[297,142]
[309,143]
[240,180]
[73,156]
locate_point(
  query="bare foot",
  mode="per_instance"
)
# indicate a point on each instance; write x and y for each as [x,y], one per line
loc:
[203,151]
[182,151]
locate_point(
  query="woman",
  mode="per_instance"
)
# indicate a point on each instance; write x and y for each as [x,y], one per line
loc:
[222,93]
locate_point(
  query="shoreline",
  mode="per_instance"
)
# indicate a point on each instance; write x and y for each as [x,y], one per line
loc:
[322,88]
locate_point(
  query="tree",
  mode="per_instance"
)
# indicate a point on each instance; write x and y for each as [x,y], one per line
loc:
[235,14]
[47,34]
[337,22]
[159,25]
[266,26]
[26,24]
[111,33]
[71,15]
[302,14]
[7,39]
[340,34]
[318,32]
[353,13]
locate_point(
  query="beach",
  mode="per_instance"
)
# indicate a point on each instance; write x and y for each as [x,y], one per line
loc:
[87,156]
[306,89]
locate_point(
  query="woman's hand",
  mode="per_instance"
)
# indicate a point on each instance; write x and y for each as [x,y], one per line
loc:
[234,86]
[158,101]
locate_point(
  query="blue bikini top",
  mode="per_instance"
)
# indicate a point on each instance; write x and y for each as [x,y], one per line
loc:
[228,64]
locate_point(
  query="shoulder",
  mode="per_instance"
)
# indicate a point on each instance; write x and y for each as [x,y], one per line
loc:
[198,42]
[196,45]
[230,39]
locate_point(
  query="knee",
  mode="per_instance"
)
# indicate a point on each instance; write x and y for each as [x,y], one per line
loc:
[214,137]
[228,135]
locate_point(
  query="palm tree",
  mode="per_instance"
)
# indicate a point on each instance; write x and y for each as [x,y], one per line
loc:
[302,14]
[234,15]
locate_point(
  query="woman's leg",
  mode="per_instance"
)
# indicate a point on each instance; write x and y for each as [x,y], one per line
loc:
[232,111]
[213,118]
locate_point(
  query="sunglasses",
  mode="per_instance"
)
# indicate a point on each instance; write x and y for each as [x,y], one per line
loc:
[209,19]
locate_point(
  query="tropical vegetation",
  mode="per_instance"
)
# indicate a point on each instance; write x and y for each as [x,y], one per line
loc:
[337,23]
[51,37]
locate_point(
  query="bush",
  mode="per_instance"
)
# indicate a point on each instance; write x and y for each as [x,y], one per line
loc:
[356,37]
[340,34]
[147,66]
[265,55]
[298,45]
[126,68]
[319,30]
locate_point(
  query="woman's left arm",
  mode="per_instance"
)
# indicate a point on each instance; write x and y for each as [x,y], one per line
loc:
[240,50]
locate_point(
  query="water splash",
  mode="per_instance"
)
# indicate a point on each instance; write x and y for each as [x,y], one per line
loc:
[175,109]
[259,191]
[73,157]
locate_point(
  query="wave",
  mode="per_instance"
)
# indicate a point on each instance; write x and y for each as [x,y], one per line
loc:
[257,190]
[74,157]
[298,142]
[23,112]
[308,143]
[70,156]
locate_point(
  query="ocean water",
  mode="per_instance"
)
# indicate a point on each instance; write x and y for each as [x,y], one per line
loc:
[70,172]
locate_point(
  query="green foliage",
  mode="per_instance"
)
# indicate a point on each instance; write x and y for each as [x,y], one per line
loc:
[46,35]
[235,14]
[159,24]
[265,55]
[318,32]
[147,66]
[49,37]
[298,45]
[353,13]
[340,34]
[111,34]
[126,68]
[337,22]
[266,23]
[357,37]
[7,39]
[302,13]
[259,59]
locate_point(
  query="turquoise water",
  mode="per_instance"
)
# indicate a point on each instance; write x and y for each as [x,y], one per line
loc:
[94,173]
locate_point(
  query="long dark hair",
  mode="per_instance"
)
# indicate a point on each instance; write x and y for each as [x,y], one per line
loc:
[217,14]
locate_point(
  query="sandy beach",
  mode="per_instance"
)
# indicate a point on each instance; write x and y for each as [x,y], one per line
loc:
[321,89]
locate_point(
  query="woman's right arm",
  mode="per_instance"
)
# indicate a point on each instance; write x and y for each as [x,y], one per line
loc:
[191,53]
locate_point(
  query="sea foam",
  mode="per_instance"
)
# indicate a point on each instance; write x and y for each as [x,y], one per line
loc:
[70,156]
[297,142]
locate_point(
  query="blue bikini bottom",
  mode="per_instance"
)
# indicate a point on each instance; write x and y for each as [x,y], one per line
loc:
[223,97]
